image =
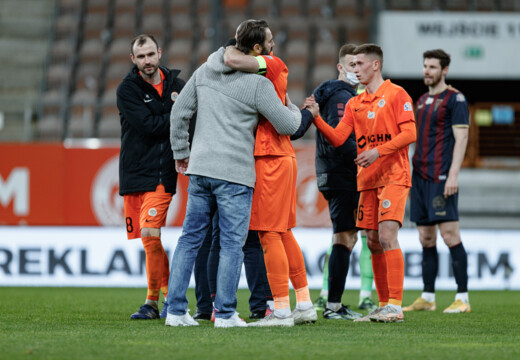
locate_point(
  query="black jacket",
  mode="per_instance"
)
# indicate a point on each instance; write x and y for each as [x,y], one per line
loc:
[335,167]
[146,157]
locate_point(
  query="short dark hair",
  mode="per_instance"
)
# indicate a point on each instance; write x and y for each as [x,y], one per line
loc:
[347,49]
[370,49]
[141,39]
[250,33]
[441,55]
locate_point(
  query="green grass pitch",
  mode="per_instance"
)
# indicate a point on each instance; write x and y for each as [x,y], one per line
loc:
[93,323]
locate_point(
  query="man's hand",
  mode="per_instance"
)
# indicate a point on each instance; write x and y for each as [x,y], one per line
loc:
[182,165]
[314,109]
[309,101]
[366,158]
[452,186]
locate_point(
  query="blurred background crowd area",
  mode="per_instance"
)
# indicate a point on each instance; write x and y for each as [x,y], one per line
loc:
[62,61]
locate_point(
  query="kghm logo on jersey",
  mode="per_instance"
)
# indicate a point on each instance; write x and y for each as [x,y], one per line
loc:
[362,141]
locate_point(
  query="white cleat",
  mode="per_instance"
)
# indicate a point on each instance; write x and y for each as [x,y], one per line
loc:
[233,321]
[273,320]
[308,316]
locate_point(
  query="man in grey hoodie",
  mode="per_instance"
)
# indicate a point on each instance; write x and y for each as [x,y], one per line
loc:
[221,167]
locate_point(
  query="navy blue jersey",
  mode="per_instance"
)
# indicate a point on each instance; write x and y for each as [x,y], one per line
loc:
[435,117]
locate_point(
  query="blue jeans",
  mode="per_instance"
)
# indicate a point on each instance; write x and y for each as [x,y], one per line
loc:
[232,203]
[256,274]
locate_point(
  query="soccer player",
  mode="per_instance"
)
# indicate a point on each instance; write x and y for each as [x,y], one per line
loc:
[336,177]
[274,199]
[443,122]
[382,119]
[147,176]
[221,168]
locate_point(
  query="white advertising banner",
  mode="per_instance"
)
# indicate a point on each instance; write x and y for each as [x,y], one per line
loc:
[481,45]
[101,256]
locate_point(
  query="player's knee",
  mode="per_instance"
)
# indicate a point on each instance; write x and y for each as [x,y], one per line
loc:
[451,238]
[151,232]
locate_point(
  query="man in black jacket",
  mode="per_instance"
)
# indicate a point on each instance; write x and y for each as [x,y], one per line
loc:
[147,176]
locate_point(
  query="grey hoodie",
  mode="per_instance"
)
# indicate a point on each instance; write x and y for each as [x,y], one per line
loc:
[227,103]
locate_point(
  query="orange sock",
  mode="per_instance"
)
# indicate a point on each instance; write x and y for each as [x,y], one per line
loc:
[276,264]
[165,274]
[154,265]
[297,272]
[395,273]
[381,279]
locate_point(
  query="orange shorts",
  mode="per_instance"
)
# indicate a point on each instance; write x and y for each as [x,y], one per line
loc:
[274,198]
[146,210]
[381,204]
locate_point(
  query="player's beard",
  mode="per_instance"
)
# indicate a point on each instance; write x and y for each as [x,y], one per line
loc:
[433,81]
[149,70]
[265,51]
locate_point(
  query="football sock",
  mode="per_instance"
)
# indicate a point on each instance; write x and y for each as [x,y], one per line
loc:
[154,265]
[428,296]
[339,262]
[152,303]
[282,307]
[464,297]
[165,274]
[334,306]
[459,262]
[276,264]
[396,308]
[365,267]
[303,298]
[364,294]
[380,278]
[395,273]
[325,284]
[430,267]
[297,273]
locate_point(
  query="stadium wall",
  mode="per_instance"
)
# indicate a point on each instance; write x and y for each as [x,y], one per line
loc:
[101,256]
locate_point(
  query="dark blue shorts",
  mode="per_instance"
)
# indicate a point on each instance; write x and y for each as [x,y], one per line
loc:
[428,205]
[343,208]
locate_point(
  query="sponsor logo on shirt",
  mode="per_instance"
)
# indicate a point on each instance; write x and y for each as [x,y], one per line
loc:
[407,106]
[371,115]
[175,94]
[362,141]
[147,98]
[429,101]
[460,98]
[381,103]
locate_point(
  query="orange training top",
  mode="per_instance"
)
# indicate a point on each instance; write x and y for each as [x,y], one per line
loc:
[383,120]
[268,141]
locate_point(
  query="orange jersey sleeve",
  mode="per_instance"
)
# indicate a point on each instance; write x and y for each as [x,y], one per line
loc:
[407,136]
[335,136]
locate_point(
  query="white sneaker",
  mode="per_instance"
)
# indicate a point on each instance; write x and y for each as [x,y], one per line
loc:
[180,320]
[273,320]
[307,316]
[233,321]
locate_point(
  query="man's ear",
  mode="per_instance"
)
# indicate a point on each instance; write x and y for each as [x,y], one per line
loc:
[258,48]
[132,58]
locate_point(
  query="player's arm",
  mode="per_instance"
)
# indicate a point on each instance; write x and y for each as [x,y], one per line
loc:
[139,116]
[181,114]
[285,119]
[338,135]
[460,133]
[237,60]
